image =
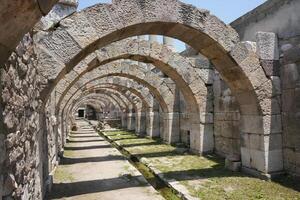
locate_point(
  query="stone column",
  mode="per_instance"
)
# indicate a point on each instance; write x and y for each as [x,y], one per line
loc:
[201,135]
[124,120]
[261,146]
[131,121]
[140,123]
[171,127]
[169,42]
[152,119]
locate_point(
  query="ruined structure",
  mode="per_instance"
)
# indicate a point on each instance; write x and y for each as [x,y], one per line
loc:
[233,92]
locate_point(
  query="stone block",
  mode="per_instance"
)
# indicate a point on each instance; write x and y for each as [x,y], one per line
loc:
[288,100]
[267,46]
[207,118]
[229,129]
[207,75]
[275,161]
[276,83]
[291,55]
[290,76]
[252,124]
[271,105]
[58,12]
[261,124]
[262,142]
[258,160]
[289,157]
[233,165]
[245,157]
[227,116]
[60,44]
[207,134]
[271,67]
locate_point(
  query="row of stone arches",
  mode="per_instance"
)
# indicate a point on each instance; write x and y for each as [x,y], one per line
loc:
[91,58]
[237,62]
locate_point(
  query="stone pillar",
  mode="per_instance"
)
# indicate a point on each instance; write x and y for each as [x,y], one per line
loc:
[171,127]
[140,121]
[261,148]
[124,120]
[152,119]
[131,121]
[202,136]
[169,42]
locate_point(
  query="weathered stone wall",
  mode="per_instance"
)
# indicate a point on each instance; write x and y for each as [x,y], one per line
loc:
[28,141]
[22,168]
[222,110]
[281,17]
[53,138]
[290,75]
[226,120]
[184,122]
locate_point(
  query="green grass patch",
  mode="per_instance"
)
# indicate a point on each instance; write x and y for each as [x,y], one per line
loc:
[205,177]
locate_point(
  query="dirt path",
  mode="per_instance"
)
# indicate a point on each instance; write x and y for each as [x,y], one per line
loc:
[93,170]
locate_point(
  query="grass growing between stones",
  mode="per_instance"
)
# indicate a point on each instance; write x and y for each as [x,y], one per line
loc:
[204,177]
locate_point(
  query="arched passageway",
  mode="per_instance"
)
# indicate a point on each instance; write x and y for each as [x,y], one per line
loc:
[91,59]
[236,62]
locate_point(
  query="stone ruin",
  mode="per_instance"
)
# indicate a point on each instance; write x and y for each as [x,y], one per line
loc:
[234,91]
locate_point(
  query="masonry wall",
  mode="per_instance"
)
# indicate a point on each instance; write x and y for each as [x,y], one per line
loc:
[283,18]
[22,170]
[226,120]
[290,75]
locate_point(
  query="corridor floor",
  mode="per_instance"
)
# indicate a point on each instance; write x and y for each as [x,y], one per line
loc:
[92,169]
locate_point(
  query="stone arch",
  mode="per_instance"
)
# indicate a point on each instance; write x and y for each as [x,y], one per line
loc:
[140,104]
[157,85]
[122,84]
[182,71]
[96,101]
[102,103]
[97,106]
[152,124]
[118,97]
[17,20]
[237,63]
[107,97]
[139,114]
[135,100]
[123,100]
